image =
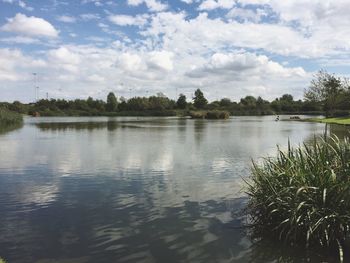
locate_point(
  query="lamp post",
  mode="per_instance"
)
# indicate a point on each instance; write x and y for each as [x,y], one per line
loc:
[35,86]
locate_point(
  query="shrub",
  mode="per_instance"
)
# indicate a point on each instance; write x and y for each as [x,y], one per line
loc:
[215,114]
[341,113]
[197,114]
[302,197]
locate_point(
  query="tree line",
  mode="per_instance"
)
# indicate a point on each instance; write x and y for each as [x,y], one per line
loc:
[327,94]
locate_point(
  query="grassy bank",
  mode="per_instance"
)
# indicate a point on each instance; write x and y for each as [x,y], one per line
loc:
[302,197]
[9,118]
[338,120]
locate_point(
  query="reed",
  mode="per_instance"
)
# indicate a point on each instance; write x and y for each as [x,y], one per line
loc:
[9,117]
[302,197]
[213,115]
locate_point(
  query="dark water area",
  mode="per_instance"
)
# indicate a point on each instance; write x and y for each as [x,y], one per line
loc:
[136,189]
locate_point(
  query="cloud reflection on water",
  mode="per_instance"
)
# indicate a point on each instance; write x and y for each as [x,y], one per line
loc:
[134,190]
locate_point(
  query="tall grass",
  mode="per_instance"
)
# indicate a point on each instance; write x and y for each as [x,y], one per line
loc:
[302,197]
[9,117]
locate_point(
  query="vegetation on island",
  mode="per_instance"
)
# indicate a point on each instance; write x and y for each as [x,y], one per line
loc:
[211,115]
[302,197]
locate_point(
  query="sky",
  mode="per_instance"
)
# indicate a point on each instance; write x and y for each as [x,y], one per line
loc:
[227,48]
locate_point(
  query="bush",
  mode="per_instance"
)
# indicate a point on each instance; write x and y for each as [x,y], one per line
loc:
[215,114]
[302,197]
[197,114]
[341,113]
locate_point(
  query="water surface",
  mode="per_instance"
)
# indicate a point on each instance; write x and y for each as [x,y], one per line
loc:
[133,189]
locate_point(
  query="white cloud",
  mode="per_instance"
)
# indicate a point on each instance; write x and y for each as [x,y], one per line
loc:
[24,6]
[14,66]
[20,3]
[214,4]
[20,40]
[161,60]
[153,5]
[89,16]
[66,19]
[240,74]
[177,49]
[248,63]
[126,20]
[64,58]
[187,1]
[201,34]
[130,62]
[246,14]
[35,26]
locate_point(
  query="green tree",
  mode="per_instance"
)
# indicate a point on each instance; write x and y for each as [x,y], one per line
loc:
[112,102]
[225,102]
[199,100]
[249,102]
[181,102]
[328,90]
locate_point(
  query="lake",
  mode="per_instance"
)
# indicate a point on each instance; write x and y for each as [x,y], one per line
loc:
[135,189]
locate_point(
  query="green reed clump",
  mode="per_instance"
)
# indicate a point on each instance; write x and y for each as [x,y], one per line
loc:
[9,117]
[214,114]
[302,197]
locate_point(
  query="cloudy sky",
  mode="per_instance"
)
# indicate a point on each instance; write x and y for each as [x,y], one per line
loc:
[228,48]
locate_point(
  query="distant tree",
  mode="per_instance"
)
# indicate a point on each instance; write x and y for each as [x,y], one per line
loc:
[138,104]
[181,102]
[90,102]
[161,95]
[328,90]
[249,101]
[112,102]
[199,100]
[287,97]
[225,102]
[158,103]
[287,103]
[123,105]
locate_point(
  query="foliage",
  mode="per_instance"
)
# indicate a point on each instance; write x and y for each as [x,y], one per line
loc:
[197,114]
[199,101]
[327,94]
[217,115]
[302,197]
[181,102]
[112,102]
[329,90]
[209,114]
